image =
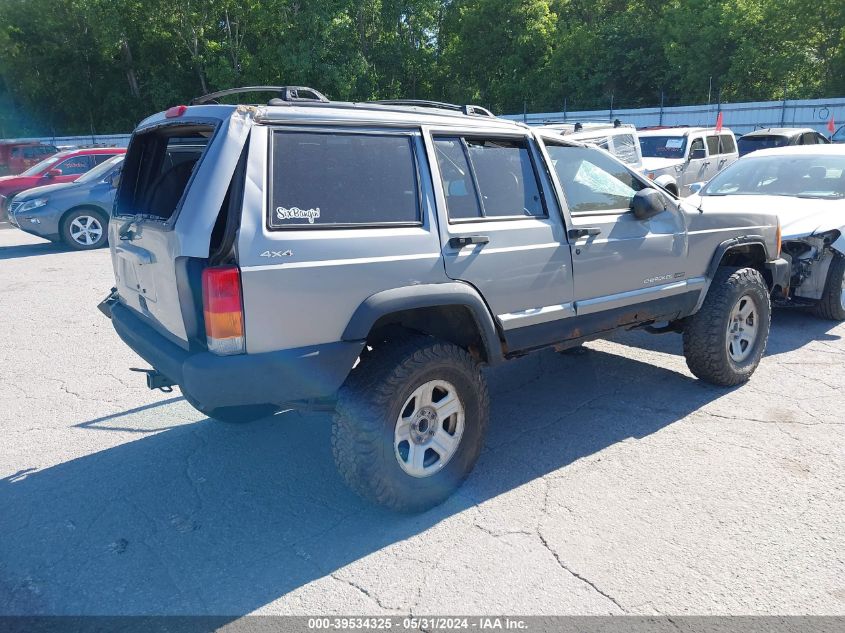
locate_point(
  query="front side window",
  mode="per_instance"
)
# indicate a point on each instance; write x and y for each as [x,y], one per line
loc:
[331,179]
[592,181]
[696,146]
[488,178]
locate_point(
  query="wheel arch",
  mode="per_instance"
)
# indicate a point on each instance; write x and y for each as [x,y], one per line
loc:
[452,311]
[85,206]
[743,251]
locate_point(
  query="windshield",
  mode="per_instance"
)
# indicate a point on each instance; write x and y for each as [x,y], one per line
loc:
[801,176]
[37,168]
[663,146]
[748,144]
[100,171]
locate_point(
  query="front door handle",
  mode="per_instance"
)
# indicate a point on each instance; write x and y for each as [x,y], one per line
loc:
[466,240]
[591,231]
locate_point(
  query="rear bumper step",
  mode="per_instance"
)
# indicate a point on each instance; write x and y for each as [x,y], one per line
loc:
[222,381]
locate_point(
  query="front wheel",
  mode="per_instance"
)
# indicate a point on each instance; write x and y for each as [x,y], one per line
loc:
[410,423]
[85,230]
[725,340]
[832,304]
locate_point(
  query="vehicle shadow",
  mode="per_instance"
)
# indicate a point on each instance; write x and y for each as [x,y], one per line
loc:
[31,250]
[209,518]
[791,329]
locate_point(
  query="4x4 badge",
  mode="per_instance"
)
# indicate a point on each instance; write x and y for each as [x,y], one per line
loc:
[287,253]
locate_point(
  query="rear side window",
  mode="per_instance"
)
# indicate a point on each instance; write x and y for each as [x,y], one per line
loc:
[712,145]
[75,165]
[728,145]
[331,179]
[488,178]
[157,169]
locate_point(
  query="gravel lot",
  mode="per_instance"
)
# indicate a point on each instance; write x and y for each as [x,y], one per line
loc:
[613,482]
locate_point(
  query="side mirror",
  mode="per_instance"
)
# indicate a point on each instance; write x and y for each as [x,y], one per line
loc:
[696,187]
[697,154]
[53,173]
[647,203]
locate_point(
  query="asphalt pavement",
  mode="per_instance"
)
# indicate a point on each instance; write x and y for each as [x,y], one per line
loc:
[612,482]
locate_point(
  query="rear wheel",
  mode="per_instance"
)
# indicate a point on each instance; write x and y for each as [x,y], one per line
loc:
[410,423]
[725,340]
[832,304]
[234,415]
[85,229]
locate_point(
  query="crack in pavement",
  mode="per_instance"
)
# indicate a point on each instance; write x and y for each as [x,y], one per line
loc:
[586,581]
[369,595]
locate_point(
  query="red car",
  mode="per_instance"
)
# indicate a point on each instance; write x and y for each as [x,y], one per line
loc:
[62,167]
[16,156]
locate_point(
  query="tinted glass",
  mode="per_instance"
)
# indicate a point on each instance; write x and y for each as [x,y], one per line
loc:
[663,146]
[505,177]
[748,144]
[458,187]
[712,145]
[803,176]
[592,181]
[74,165]
[728,145]
[325,179]
[100,171]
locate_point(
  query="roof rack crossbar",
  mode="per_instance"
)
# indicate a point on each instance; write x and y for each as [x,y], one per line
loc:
[284,93]
[471,110]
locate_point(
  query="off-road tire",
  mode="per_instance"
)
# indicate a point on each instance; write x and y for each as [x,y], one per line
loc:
[706,332]
[234,415]
[830,305]
[369,404]
[67,238]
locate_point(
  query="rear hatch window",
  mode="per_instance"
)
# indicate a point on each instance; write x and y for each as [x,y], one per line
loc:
[158,169]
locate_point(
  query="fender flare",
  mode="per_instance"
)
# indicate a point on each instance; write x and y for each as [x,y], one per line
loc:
[719,253]
[427,296]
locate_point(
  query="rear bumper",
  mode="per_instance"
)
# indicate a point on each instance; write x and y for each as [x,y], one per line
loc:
[221,381]
[781,272]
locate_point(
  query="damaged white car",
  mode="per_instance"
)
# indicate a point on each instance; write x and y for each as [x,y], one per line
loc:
[805,187]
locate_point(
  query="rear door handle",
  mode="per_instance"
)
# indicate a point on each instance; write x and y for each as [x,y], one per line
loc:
[590,231]
[466,240]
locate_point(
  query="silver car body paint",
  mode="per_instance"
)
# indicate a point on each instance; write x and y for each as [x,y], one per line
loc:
[529,273]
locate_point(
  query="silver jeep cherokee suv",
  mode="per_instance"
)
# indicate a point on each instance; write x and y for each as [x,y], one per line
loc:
[374,256]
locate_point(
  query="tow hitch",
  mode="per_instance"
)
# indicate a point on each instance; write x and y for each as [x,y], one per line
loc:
[105,305]
[155,379]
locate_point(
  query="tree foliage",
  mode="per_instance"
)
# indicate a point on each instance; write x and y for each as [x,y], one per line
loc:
[96,66]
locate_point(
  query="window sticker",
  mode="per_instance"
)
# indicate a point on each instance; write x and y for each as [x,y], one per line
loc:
[295,213]
[674,143]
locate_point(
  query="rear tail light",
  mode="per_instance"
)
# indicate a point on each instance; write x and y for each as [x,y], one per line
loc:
[223,309]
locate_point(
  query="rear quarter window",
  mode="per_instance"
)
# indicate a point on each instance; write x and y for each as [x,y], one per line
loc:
[334,179]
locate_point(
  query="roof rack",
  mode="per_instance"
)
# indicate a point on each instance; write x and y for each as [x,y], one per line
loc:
[469,109]
[283,94]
